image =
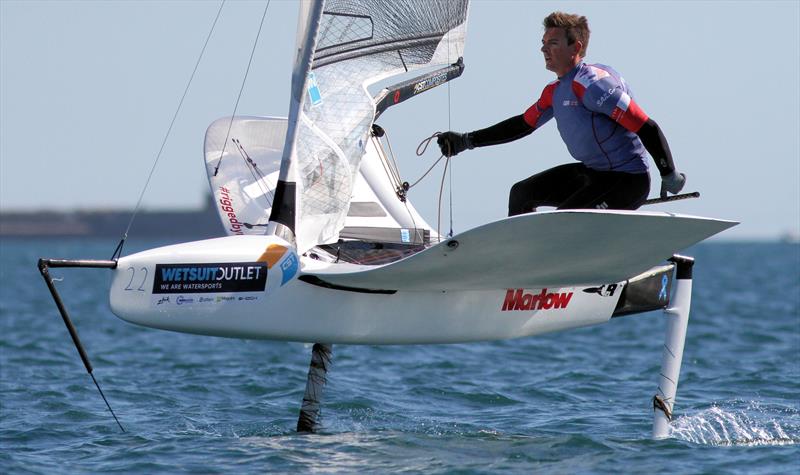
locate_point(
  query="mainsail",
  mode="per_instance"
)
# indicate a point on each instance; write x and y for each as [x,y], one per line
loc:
[344,46]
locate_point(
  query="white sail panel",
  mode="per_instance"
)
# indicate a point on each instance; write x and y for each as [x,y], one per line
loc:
[357,44]
[243,157]
[244,176]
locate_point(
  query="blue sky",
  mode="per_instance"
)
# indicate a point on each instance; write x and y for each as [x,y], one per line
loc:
[87,91]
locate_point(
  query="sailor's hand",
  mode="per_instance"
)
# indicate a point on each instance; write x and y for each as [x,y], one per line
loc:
[453,143]
[672,183]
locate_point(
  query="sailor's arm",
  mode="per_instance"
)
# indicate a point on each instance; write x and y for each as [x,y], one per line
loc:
[656,145]
[513,128]
[607,97]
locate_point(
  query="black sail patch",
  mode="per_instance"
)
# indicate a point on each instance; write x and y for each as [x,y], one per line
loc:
[204,278]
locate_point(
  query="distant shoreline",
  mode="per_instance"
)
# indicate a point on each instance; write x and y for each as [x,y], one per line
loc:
[194,224]
[199,224]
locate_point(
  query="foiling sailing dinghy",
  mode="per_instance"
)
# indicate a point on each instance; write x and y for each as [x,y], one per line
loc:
[323,245]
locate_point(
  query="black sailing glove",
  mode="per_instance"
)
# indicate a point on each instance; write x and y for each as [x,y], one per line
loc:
[453,143]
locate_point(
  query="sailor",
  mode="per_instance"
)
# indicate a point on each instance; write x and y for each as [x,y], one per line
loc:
[602,126]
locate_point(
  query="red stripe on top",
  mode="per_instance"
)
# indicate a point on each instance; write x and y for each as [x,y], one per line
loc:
[578,89]
[632,119]
[533,113]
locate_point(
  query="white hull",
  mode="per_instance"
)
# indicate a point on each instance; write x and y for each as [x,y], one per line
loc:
[282,307]
[304,312]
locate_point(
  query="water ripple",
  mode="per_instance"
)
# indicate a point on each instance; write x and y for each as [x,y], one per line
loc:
[575,402]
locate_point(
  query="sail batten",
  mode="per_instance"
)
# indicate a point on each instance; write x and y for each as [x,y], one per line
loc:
[397,45]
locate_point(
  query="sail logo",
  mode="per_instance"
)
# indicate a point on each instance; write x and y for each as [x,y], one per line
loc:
[226,205]
[518,299]
[313,90]
[430,82]
[204,278]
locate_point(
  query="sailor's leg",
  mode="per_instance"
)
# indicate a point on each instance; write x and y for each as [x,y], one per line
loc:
[317,377]
[610,190]
[678,319]
[548,188]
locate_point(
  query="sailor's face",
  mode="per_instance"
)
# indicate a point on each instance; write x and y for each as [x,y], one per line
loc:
[559,56]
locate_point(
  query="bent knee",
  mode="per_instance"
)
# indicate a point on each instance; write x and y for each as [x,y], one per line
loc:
[517,191]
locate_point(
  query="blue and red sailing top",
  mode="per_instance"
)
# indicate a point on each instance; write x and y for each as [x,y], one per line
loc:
[596,117]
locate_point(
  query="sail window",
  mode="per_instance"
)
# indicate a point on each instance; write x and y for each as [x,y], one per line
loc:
[338,29]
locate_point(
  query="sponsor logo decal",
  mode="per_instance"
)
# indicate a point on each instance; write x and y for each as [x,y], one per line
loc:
[606,96]
[568,103]
[289,267]
[163,300]
[181,300]
[518,299]
[397,96]
[205,299]
[273,254]
[430,82]
[226,205]
[225,298]
[204,278]
[603,290]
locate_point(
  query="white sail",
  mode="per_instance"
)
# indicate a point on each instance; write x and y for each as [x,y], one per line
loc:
[244,174]
[243,157]
[355,44]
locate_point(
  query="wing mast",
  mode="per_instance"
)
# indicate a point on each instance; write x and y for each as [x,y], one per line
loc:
[282,216]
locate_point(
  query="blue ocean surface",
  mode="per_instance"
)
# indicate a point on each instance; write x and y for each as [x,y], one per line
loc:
[571,402]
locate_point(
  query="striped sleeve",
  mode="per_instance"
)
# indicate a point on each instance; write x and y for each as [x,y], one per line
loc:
[600,92]
[542,110]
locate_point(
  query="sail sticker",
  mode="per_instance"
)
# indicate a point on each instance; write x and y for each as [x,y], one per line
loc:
[228,211]
[206,278]
[289,267]
[313,90]
[518,299]
[405,236]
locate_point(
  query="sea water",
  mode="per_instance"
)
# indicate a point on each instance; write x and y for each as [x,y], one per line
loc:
[572,402]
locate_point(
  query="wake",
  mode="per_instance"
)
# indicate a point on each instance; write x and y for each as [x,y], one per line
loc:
[746,423]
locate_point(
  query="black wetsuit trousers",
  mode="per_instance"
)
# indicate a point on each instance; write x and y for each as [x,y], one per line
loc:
[575,186]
